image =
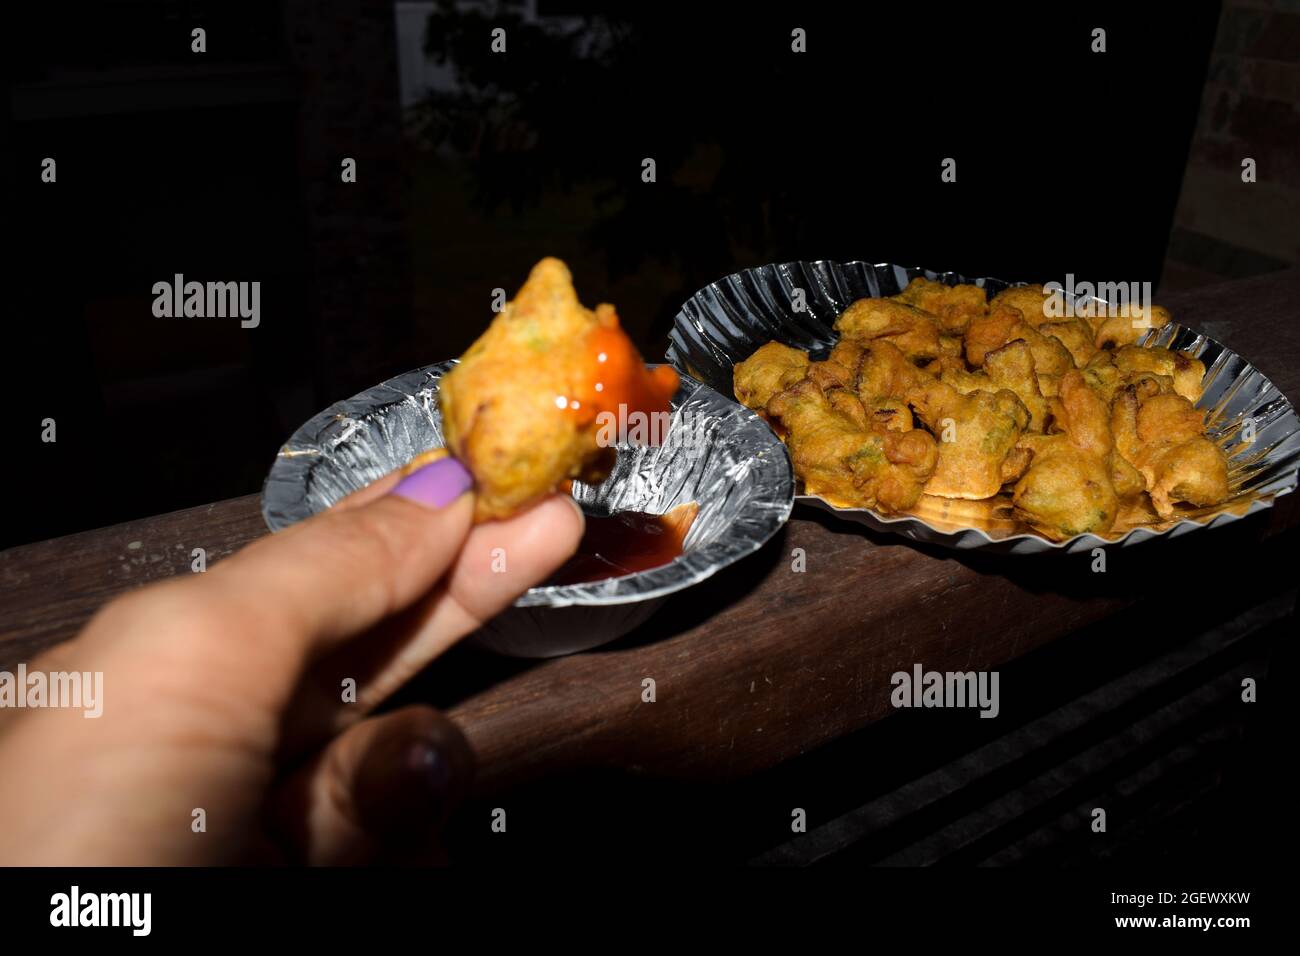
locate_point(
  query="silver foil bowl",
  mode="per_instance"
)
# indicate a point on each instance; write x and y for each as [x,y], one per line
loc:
[715,452]
[725,322]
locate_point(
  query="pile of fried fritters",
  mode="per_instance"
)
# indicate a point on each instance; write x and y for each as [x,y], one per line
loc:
[941,391]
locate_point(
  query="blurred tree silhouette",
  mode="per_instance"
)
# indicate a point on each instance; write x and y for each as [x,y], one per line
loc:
[583,105]
[764,154]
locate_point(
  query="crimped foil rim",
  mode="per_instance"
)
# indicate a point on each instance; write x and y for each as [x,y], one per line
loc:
[1082,542]
[828,276]
[767,483]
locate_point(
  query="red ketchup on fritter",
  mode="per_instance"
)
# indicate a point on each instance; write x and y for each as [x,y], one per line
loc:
[614,381]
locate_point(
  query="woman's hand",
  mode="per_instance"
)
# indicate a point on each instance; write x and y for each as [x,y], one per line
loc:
[224,693]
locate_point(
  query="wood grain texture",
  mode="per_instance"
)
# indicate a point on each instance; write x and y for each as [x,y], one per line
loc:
[760,662]
[49,589]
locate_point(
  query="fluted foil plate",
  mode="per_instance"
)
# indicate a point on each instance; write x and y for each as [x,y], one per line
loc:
[725,322]
[715,452]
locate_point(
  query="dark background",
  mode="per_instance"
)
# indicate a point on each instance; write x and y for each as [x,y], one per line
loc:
[1122,166]
[226,166]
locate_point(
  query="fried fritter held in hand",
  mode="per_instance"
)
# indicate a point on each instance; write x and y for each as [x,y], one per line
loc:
[525,408]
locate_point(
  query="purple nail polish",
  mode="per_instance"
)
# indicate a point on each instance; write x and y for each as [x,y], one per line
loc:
[436,485]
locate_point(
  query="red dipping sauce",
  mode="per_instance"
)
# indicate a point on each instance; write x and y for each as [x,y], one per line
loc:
[625,543]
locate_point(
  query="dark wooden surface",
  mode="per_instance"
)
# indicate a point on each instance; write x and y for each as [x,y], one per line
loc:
[760,663]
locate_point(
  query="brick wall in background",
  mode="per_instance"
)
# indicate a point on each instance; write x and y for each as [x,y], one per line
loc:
[1225,228]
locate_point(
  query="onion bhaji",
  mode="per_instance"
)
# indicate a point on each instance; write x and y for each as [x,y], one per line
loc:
[1076,479]
[1161,435]
[940,391]
[773,368]
[977,432]
[1010,367]
[1005,324]
[1066,491]
[916,333]
[953,305]
[1035,305]
[852,461]
[525,408]
[1128,325]
[1077,337]
[1185,372]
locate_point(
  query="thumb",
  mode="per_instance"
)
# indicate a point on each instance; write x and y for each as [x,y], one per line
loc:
[380,792]
[339,573]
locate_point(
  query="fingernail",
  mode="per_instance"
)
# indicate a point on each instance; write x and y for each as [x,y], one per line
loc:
[431,767]
[582,515]
[435,485]
[406,786]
